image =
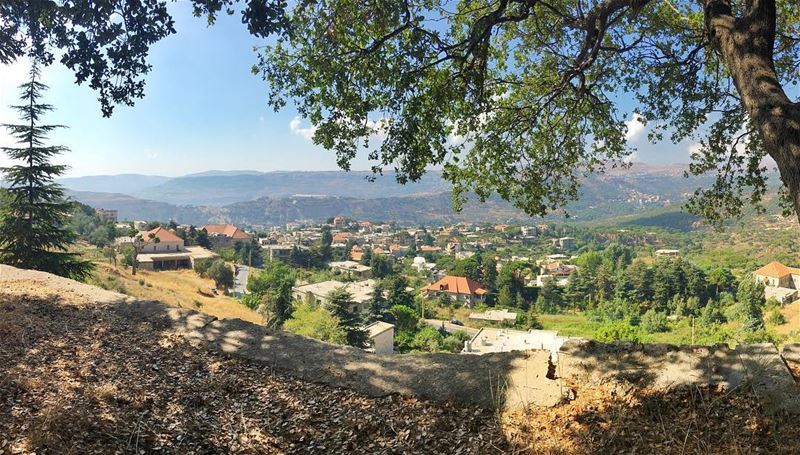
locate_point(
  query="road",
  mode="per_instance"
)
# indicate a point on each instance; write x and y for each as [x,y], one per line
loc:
[448,327]
[240,279]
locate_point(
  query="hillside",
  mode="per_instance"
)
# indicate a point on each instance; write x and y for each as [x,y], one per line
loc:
[274,198]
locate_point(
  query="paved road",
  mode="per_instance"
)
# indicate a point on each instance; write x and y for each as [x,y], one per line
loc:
[448,327]
[240,280]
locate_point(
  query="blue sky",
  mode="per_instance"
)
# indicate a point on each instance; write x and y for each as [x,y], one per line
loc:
[203,109]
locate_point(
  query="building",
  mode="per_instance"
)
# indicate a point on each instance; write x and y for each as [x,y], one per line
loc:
[351,269]
[225,235]
[459,288]
[318,292]
[667,253]
[489,340]
[381,335]
[161,249]
[106,215]
[494,316]
[356,253]
[278,252]
[780,282]
[558,271]
[564,243]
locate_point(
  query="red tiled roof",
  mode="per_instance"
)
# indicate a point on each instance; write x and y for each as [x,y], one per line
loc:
[776,270]
[161,234]
[228,230]
[456,285]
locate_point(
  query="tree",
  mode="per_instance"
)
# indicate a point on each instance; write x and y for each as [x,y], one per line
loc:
[427,339]
[469,267]
[535,84]
[110,253]
[751,301]
[654,321]
[271,289]
[34,231]
[107,44]
[221,274]
[477,87]
[381,266]
[315,322]
[325,243]
[398,293]
[532,320]
[405,318]
[338,302]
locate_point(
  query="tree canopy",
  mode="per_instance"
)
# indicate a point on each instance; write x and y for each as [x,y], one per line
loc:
[515,97]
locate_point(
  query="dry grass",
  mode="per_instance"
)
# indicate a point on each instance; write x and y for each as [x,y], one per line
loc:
[614,418]
[180,288]
[88,381]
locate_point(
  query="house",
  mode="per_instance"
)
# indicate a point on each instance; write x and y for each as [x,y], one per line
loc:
[106,215]
[494,316]
[381,335]
[161,249]
[318,292]
[666,253]
[429,249]
[341,237]
[780,282]
[351,268]
[356,253]
[564,243]
[459,288]
[278,252]
[558,271]
[225,235]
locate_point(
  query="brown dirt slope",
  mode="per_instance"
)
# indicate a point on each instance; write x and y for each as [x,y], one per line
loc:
[76,378]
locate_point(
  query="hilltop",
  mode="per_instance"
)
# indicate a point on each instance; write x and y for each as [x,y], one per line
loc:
[272,198]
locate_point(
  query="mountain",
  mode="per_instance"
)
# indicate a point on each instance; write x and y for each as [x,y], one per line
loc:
[262,199]
[225,188]
[122,183]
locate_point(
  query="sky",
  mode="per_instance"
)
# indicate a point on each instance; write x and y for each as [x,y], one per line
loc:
[204,110]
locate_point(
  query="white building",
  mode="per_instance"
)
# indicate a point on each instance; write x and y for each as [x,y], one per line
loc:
[318,292]
[381,335]
[352,269]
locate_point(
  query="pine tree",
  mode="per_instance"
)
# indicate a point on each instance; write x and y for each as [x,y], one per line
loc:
[339,303]
[33,224]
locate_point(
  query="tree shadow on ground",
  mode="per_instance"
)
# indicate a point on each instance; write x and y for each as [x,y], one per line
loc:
[95,379]
[619,418]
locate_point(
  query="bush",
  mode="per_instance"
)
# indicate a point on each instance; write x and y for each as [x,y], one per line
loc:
[427,339]
[618,331]
[776,317]
[455,341]
[221,274]
[201,267]
[315,322]
[654,321]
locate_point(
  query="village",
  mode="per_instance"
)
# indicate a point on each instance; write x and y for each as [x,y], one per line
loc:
[467,288]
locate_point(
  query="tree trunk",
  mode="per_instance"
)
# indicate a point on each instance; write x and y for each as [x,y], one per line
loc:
[746,45]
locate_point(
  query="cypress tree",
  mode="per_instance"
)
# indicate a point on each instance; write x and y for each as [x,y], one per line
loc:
[33,224]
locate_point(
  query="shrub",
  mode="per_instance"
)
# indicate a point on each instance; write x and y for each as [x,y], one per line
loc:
[221,274]
[654,321]
[618,331]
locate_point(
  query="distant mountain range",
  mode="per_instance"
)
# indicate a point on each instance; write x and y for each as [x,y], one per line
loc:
[261,199]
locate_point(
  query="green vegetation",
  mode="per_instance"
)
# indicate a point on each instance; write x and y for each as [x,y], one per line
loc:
[271,292]
[34,232]
[315,322]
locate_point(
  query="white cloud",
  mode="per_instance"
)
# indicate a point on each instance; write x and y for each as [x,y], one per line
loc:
[694,149]
[635,127]
[304,132]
